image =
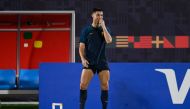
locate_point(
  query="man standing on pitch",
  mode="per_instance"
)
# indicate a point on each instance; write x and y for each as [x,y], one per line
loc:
[92,53]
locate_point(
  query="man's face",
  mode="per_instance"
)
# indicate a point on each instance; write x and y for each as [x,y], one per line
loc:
[97,16]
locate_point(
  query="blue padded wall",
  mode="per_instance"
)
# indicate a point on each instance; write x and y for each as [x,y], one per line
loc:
[132,86]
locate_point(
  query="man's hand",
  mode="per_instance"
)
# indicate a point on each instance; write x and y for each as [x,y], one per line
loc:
[102,23]
[106,35]
[85,62]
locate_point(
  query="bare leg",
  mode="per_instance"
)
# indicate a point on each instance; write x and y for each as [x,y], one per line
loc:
[86,77]
[104,77]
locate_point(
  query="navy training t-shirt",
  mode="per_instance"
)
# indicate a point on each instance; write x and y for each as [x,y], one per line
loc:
[95,43]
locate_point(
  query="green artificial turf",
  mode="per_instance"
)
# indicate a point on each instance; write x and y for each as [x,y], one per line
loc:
[22,106]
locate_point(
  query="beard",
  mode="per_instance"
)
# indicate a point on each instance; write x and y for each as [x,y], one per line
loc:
[97,23]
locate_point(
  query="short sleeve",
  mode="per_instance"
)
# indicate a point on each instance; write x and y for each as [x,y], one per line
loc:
[83,36]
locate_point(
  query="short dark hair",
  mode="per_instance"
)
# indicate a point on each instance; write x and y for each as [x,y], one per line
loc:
[96,9]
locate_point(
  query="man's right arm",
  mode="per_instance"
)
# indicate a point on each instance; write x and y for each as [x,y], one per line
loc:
[82,55]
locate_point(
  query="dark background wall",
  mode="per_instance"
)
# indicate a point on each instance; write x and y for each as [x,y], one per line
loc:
[125,17]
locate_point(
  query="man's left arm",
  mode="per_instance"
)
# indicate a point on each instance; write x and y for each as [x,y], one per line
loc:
[107,35]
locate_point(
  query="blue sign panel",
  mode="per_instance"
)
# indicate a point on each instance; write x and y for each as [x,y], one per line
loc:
[132,86]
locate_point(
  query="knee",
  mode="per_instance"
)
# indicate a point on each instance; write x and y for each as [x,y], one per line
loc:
[105,86]
[83,86]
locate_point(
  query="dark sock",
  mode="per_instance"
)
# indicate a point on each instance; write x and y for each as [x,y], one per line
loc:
[104,99]
[83,96]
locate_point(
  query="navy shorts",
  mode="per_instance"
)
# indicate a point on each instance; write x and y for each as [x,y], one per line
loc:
[97,68]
